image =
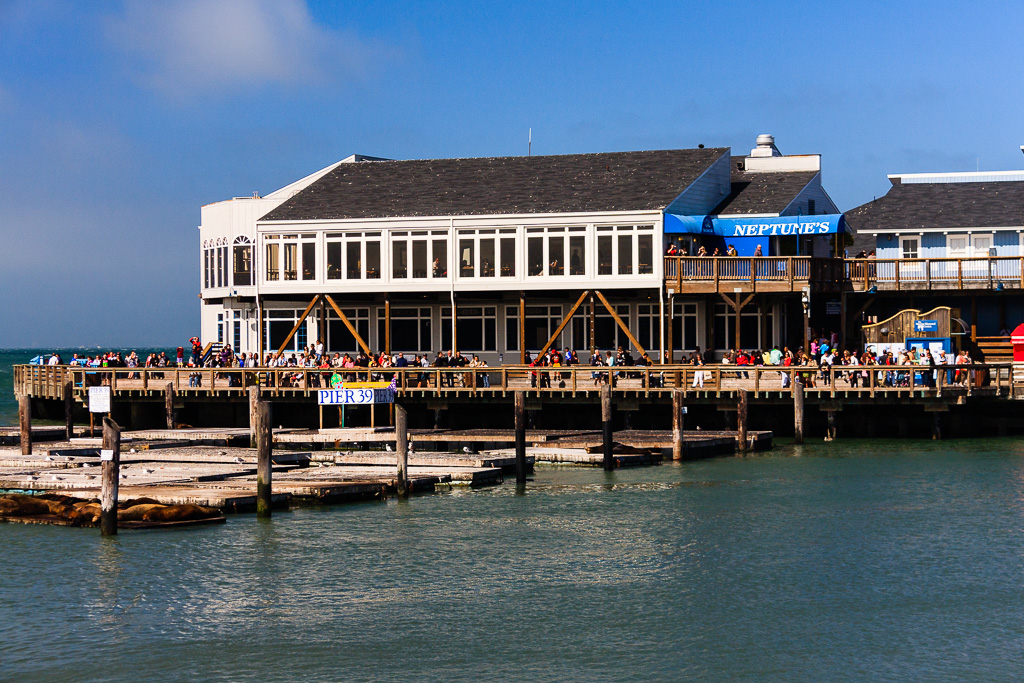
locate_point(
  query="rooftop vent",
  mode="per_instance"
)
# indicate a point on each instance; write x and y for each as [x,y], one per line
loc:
[765,147]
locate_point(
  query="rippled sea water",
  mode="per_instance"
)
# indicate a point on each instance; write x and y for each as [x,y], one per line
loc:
[847,561]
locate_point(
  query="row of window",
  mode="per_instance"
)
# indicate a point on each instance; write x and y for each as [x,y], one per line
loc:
[424,254]
[412,328]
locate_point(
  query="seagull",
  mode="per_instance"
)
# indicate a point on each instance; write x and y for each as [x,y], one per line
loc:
[32,477]
[124,476]
[239,460]
[56,478]
[90,476]
[133,451]
[149,471]
[465,449]
[222,452]
[387,447]
[49,457]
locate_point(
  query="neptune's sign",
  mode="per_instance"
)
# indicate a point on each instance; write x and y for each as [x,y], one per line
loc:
[755,227]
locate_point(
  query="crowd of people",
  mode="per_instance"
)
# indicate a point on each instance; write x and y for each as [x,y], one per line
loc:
[822,362]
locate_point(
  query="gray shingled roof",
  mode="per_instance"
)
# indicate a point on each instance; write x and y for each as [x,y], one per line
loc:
[942,205]
[613,181]
[762,192]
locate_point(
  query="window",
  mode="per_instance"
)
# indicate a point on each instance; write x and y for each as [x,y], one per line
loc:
[541,323]
[725,328]
[958,246]
[410,329]
[353,255]
[220,328]
[552,252]
[236,330]
[477,329]
[810,206]
[243,262]
[479,252]
[338,338]
[278,324]
[439,257]
[629,252]
[283,254]
[399,256]
[909,246]
[648,323]
[607,334]
[980,244]
[684,327]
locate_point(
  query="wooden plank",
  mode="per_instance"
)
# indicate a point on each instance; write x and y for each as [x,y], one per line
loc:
[522,328]
[348,324]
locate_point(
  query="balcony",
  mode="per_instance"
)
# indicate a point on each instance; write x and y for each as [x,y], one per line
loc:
[936,274]
[727,274]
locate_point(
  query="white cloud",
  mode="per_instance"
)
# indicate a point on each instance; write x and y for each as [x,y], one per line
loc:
[186,48]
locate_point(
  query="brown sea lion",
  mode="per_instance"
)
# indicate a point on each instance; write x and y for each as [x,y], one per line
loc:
[179,513]
[23,506]
[135,512]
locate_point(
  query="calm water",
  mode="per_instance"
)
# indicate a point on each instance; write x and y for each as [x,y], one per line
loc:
[858,560]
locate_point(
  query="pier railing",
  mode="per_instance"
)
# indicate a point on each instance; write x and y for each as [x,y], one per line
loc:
[53,382]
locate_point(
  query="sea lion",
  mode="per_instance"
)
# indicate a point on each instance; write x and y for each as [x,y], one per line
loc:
[179,513]
[135,512]
[23,506]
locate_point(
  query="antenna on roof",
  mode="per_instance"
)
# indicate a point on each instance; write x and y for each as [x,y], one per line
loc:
[529,143]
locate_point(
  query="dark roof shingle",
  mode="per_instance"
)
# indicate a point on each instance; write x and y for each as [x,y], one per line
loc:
[762,192]
[613,181]
[942,205]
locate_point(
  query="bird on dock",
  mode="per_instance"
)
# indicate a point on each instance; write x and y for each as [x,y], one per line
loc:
[465,449]
[32,478]
[149,471]
[124,476]
[387,447]
[239,460]
[49,458]
[56,478]
[132,450]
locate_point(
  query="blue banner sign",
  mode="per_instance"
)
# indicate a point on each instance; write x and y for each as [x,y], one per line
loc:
[355,396]
[756,227]
[926,326]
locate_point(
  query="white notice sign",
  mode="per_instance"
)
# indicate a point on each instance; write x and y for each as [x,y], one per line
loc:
[99,399]
[106,455]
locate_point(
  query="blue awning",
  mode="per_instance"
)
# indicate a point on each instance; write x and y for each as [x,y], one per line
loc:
[825,224]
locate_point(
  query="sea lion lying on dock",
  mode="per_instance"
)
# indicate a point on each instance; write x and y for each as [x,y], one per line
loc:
[16,505]
[135,512]
[179,513]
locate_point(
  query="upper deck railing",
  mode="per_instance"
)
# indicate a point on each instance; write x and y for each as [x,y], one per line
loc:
[761,273]
[910,381]
[986,272]
[697,274]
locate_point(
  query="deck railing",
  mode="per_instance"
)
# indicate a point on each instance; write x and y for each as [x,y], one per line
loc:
[942,273]
[908,380]
[794,270]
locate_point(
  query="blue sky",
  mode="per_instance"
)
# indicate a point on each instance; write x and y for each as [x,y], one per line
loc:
[118,120]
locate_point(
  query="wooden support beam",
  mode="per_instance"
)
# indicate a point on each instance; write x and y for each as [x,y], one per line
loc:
[109,477]
[298,323]
[25,423]
[741,421]
[606,424]
[565,321]
[169,404]
[402,448]
[254,399]
[798,409]
[677,424]
[593,326]
[520,431]
[348,324]
[264,451]
[671,330]
[69,406]
[622,325]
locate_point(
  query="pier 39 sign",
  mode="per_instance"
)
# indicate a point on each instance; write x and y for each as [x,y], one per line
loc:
[357,393]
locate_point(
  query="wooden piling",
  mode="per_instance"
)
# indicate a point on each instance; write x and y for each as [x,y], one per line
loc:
[169,404]
[25,422]
[520,429]
[402,447]
[606,422]
[69,407]
[798,411]
[936,426]
[111,475]
[830,430]
[741,421]
[254,398]
[264,450]
[677,424]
